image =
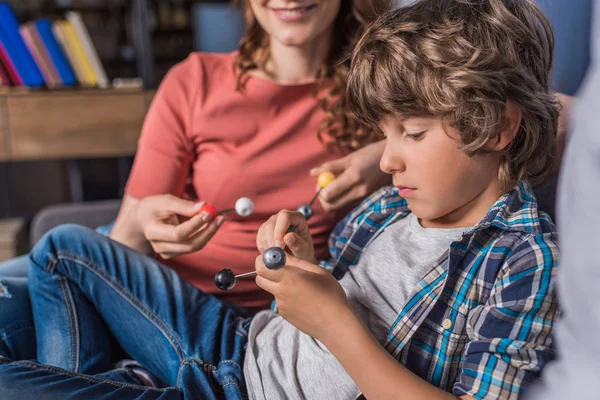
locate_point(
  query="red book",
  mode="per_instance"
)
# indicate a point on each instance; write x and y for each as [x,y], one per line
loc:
[9,66]
[4,78]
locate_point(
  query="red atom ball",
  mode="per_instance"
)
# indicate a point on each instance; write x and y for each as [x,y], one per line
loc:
[207,208]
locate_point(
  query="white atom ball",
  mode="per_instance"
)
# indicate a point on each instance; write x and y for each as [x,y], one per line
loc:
[244,207]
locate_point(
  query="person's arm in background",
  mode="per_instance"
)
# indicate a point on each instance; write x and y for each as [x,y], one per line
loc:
[149,217]
[566,104]
[574,375]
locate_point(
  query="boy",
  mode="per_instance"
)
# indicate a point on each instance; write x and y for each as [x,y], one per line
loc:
[451,270]
[444,282]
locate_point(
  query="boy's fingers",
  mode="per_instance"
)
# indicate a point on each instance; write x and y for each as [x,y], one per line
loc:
[282,223]
[266,284]
[295,243]
[291,219]
[262,270]
[293,261]
[261,240]
[269,225]
[285,220]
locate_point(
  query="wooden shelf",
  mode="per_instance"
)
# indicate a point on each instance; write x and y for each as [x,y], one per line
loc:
[86,123]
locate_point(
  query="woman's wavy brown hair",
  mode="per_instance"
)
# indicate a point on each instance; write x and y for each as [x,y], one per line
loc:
[462,60]
[340,123]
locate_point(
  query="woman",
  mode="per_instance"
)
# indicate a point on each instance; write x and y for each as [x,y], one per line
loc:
[252,123]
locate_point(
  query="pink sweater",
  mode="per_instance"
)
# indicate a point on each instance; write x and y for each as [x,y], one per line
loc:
[259,143]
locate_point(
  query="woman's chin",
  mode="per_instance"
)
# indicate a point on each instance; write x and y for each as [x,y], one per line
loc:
[293,39]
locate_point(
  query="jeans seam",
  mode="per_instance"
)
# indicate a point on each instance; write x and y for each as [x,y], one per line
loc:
[231,362]
[51,266]
[206,367]
[129,297]
[230,382]
[193,361]
[59,371]
[73,326]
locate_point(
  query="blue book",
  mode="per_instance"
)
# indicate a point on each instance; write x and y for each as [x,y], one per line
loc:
[67,75]
[17,50]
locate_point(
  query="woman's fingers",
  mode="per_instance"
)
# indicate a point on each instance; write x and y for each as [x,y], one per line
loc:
[159,230]
[188,240]
[199,240]
[169,204]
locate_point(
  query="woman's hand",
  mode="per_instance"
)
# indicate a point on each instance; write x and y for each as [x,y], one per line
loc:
[307,296]
[358,175]
[273,233]
[169,234]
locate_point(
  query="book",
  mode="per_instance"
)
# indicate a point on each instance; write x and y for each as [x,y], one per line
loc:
[10,68]
[16,51]
[88,47]
[60,35]
[4,77]
[79,56]
[56,53]
[40,54]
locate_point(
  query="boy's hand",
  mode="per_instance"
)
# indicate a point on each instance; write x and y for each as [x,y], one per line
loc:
[273,234]
[307,296]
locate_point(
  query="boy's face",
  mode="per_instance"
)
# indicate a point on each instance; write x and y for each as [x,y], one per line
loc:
[443,186]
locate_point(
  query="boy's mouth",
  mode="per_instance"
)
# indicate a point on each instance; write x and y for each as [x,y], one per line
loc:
[405,191]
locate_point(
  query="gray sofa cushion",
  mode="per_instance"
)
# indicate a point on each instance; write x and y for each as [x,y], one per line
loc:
[91,214]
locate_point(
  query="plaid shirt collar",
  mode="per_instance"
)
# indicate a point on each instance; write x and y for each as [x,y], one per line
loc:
[515,211]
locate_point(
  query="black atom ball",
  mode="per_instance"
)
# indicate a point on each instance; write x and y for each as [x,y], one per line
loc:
[274,258]
[225,279]
[306,210]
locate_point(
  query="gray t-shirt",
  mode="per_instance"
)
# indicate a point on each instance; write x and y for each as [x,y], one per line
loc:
[284,363]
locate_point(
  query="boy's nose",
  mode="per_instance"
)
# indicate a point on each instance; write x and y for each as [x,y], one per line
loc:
[391,162]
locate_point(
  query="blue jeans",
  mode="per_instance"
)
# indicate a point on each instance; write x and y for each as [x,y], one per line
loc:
[17,333]
[17,330]
[92,296]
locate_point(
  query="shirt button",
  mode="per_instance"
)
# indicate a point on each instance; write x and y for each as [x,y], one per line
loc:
[447,324]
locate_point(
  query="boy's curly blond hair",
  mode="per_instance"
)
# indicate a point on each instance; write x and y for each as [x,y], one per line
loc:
[462,60]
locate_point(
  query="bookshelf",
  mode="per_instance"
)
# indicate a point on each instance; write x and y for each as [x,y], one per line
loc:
[133,38]
[77,144]
[107,123]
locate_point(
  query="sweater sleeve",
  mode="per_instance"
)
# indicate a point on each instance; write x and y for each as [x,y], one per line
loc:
[165,152]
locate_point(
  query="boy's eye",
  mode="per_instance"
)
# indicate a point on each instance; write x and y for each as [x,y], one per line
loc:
[415,136]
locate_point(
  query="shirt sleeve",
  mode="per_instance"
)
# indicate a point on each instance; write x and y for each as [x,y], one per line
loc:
[511,333]
[165,152]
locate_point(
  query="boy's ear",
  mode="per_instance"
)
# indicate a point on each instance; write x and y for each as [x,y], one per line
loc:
[513,122]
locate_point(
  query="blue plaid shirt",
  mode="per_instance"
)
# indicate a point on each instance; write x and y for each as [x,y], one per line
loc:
[480,321]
